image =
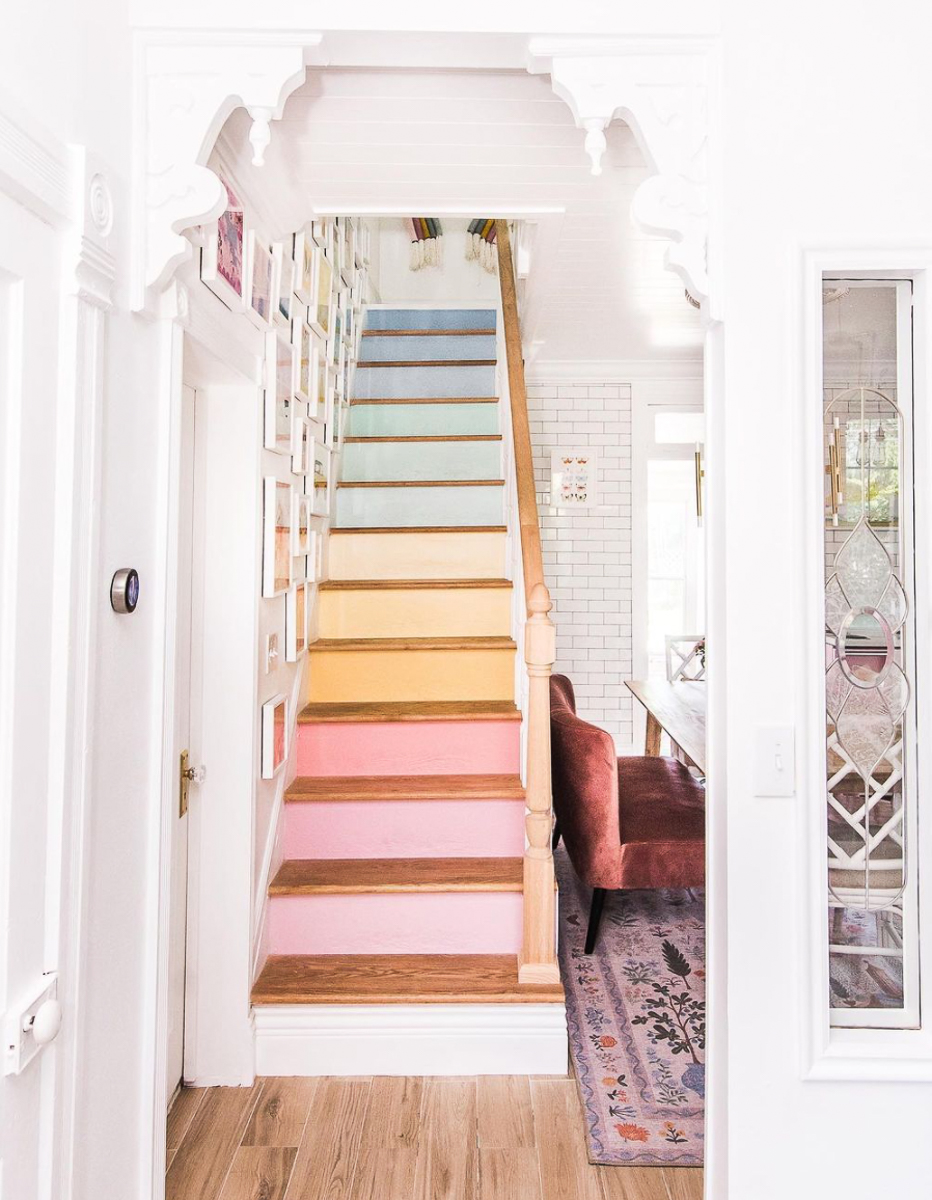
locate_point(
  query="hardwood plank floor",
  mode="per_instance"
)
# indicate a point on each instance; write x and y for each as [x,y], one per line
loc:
[405,1138]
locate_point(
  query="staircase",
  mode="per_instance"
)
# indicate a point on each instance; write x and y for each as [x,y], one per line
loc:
[404,831]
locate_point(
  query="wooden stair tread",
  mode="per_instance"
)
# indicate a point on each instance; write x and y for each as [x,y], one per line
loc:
[427,400]
[371,876]
[405,787]
[432,437]
[412,643]
[413,585]
[410,710]
[430,362]
[409,483]
[418,529]
[398,979]
[429,333]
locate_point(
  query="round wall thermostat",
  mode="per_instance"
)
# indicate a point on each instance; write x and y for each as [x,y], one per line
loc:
[124,590]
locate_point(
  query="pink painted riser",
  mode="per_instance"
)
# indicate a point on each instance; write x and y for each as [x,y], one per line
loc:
[409,748]
[404,829]
[425,923]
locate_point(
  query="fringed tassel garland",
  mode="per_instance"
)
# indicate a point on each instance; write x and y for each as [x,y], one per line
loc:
[426,243]
[480,243]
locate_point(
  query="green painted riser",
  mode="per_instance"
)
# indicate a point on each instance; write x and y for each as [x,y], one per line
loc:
[403,382]
[422,460]
[411,420]
[414,506]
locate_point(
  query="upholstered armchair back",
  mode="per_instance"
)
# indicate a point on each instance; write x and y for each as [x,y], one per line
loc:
[585,789]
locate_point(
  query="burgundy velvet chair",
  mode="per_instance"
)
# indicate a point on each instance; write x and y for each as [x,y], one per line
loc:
[633,822]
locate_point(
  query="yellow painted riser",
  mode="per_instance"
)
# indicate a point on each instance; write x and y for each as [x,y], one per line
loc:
[453,612]
[360,675]
[417,556]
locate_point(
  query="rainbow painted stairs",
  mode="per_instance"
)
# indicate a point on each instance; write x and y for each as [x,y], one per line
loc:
[395,919]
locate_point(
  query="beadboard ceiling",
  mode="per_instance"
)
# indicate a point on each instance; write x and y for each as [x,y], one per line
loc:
[482,143]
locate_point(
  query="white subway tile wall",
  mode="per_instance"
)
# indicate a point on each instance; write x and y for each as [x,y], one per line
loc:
[587,552]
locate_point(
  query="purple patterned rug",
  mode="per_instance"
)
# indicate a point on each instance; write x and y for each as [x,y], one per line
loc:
[636,1015]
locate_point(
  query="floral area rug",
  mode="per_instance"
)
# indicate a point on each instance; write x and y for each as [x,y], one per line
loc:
[636,1015]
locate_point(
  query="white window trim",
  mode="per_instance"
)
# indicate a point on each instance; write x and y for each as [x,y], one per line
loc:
[833,1053]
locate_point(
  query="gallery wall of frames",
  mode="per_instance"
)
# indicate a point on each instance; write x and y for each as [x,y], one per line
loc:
[305,292]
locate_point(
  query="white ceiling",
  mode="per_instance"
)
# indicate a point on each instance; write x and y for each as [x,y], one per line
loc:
[485,143]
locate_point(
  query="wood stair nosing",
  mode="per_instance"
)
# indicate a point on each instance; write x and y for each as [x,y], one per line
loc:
[407,483]
[428,362]
[410,585]
[314,788]
[445,529]
[426,400]
[348,645]
[429,333]
[395,711]
[398,979]
[433,437]
[396,876]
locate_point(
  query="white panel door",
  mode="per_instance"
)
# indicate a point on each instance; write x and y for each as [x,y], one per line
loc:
[30,865]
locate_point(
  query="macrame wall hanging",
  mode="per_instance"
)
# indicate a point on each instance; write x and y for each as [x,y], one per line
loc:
[426,243]
[480,243]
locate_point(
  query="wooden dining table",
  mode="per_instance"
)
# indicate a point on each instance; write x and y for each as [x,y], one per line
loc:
[677,709]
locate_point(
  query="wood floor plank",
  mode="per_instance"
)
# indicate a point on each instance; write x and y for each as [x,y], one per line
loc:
[512,1174]
[403,644]
[398,979]
[259,1173]
[632,1183]
[564,1171]
[410,710]
[169,1155]
[281,1113]
[181,1114]
[309,788]
[505,1115]
[383,1174]
[203,1159]
[394,1114]
[684,1183]
[447,1159]
[326,1158]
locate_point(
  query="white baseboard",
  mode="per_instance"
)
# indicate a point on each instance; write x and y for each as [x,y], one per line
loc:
[411,1039]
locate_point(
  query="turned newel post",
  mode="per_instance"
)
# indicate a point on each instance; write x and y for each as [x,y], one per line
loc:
[538,958]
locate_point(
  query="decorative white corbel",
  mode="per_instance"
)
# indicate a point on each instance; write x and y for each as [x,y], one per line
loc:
[191,85]
[661,91]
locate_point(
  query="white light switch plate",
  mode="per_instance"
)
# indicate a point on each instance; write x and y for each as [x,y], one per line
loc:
[774,761]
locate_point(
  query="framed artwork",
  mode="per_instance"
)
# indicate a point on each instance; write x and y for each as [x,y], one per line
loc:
[321,314]
[321,411]
[305,366]
[321,480]
[305,267]
[223,255]
[313,574]
[279,393]
[260,267]
[274,735]
[283,285]
[322,232]
[574,478]
[296,611]
[336,336]
[301,525]
[301,449]
[276,536]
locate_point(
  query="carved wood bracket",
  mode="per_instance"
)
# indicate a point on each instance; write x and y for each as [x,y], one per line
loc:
[189,86]
[662,93]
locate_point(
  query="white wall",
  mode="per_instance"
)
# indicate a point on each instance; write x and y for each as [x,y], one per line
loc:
[456,279]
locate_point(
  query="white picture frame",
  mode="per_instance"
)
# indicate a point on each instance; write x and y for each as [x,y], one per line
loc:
[224,266]
[320,314]
[306,257]
[302,446]
[284,286]
[305,358]
[574,475]
[277,509]
[274,735]
[297,607]
[323,406]
[319,477]
[279,393]
[301,525]
[260,281]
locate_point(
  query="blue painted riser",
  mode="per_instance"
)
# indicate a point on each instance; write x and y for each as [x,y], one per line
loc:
[391,349]
[412,420]
[403,382]
[430,318]
[422,460]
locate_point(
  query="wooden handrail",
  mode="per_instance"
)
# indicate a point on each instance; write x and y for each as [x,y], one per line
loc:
[537,962]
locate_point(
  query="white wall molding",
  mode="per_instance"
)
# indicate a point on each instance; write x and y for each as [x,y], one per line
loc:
[411,1039]
[34,167]
[661,90]
[189,85]
[560,370]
